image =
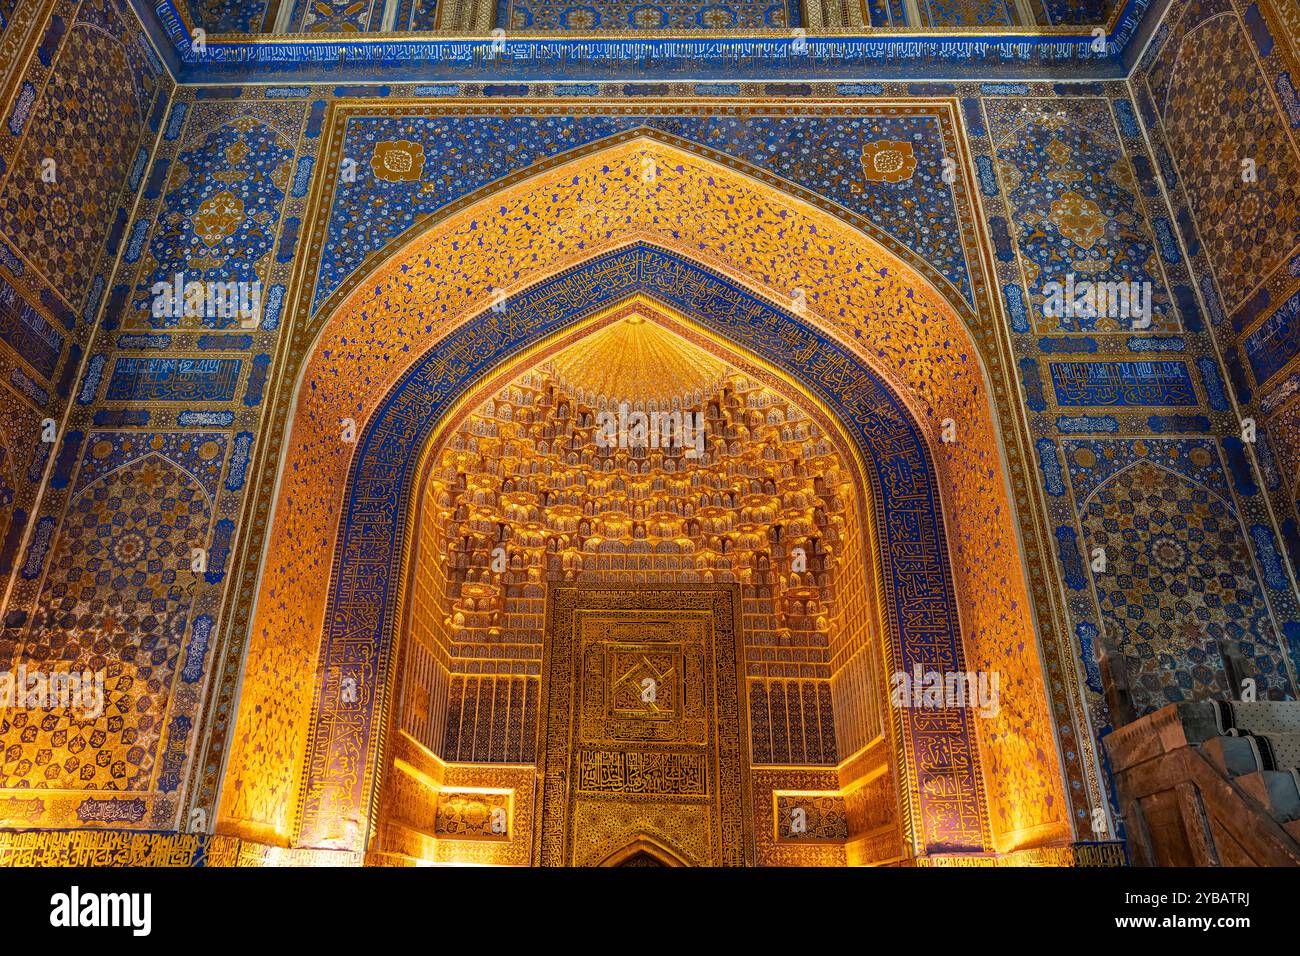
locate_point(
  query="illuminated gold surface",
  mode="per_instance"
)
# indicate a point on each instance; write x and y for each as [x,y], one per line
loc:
[519,468]
[635,360]
[522,471]
[904,329]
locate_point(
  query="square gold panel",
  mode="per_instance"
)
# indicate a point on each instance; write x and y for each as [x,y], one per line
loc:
[644,681]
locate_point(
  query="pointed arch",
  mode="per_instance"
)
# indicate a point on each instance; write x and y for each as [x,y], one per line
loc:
[865,310]
[1176,475]
[331,298]
[644,846]
[343,764]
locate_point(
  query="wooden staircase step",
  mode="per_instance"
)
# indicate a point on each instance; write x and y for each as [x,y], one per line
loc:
[1232,756]
[1276,791]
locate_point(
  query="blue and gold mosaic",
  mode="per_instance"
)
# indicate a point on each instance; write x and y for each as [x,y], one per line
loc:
[638,15]
[832,157]
[1136,435]
[1179,575]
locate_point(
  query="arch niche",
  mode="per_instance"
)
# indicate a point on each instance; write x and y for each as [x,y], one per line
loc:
[885,351]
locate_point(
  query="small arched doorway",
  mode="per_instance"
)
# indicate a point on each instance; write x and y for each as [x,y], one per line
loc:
[643,852]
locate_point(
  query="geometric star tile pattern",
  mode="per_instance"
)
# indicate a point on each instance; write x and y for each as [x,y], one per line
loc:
[115,602]
[1218,113]
[1178,577]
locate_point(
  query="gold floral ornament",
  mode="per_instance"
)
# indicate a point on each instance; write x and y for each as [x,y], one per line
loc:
[888,161]
[1059,152]
[1080,220]
[580,18]
[218,217]
[1121,174]
[398,161]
